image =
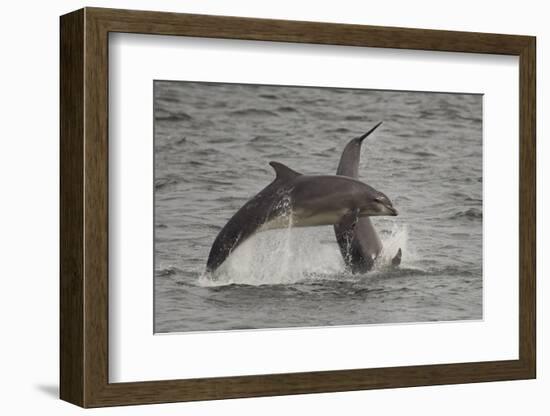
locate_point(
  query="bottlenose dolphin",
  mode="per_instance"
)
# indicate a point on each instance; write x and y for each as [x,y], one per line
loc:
[297,200]
[357,238]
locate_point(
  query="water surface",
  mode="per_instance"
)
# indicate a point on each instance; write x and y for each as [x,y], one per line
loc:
[213,143]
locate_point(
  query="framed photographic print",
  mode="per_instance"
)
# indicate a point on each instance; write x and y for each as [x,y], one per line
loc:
[255,207]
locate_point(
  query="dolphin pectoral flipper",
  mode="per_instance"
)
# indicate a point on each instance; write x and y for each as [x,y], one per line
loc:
[396,261]
[347,225]
[345,235]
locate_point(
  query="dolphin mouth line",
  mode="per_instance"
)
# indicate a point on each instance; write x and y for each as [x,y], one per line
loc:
[385,211]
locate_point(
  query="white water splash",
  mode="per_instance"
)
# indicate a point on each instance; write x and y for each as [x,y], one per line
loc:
[397,239]
[292,254]
[278,257]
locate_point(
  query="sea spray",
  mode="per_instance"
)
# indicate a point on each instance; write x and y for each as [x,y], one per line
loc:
[279,257]
[291,255]
[397,238]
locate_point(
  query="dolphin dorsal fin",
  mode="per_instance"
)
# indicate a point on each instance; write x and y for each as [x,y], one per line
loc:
[283,172]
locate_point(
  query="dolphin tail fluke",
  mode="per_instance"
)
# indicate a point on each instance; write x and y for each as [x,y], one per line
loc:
[369,132]
[396,261]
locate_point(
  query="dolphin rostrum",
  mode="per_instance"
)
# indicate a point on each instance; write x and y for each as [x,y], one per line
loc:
[357,238]
[297,200]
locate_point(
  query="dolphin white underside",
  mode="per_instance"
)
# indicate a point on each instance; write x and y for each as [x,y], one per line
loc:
[301,218]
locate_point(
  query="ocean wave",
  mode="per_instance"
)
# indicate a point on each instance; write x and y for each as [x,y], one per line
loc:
[162,115]
[471,213]
[263,140]
[253,112]
[356,118]
[415,152]
[168,271]
[169,99]
[342,130]
[287,109]
[161,183]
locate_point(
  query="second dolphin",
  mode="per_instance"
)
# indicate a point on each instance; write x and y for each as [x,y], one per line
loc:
[357,238]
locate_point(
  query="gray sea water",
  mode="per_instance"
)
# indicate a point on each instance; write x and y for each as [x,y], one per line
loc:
[212,145]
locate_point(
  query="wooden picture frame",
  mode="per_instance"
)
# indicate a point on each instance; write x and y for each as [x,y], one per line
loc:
[84,207]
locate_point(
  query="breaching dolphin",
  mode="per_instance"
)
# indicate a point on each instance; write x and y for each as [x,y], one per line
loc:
[357,238]
[297,200]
